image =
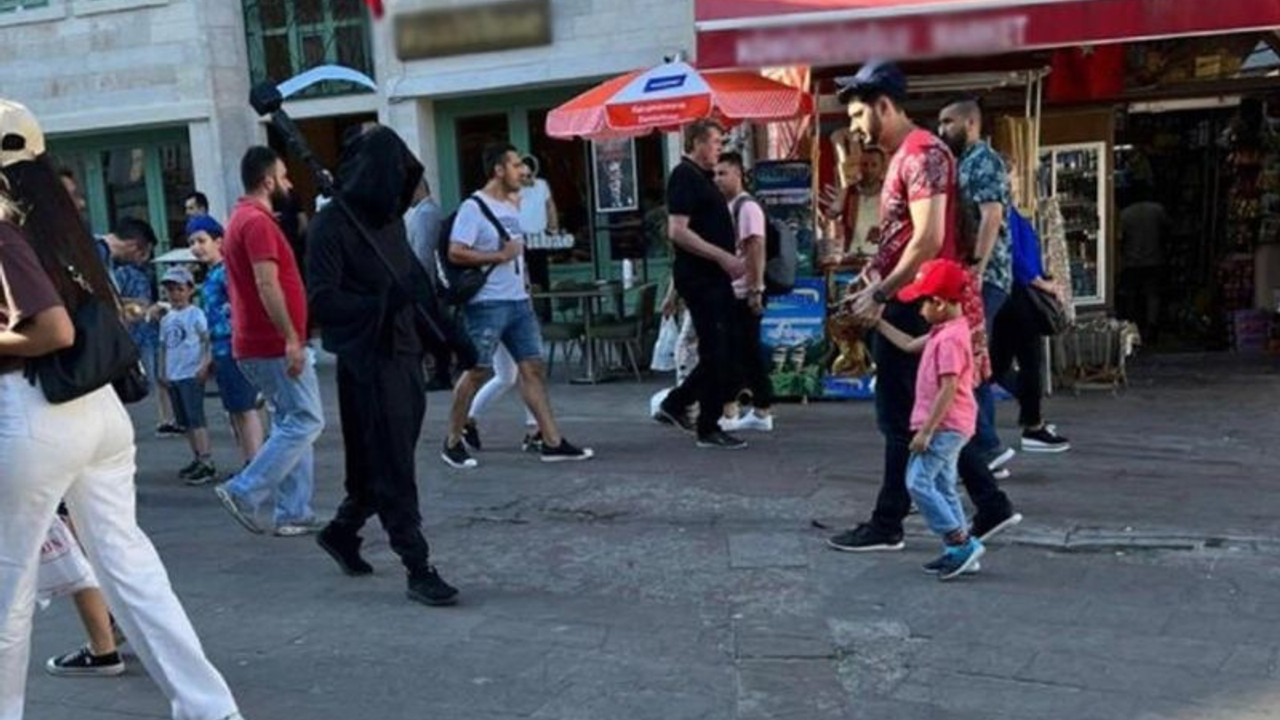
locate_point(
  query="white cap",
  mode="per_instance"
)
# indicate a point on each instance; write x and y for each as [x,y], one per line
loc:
[20,135]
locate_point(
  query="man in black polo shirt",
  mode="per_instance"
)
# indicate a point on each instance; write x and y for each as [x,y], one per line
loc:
[701,228]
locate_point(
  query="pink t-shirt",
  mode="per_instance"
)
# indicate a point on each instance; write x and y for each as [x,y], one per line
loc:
[949,351]
[749,223]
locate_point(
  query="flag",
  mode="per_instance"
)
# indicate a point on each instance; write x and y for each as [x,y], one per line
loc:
[375,7]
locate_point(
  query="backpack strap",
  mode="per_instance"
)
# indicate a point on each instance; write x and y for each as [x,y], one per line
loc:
[503,235]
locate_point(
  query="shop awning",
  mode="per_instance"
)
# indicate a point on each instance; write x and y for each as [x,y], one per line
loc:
[820,33]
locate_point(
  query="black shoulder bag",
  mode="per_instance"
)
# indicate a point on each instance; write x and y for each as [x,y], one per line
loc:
[103,354]
[462,283]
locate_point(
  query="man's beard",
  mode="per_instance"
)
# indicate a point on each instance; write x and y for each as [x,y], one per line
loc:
[957,143]
[279,197]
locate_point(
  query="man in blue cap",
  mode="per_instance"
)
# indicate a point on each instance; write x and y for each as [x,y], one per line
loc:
[917,223]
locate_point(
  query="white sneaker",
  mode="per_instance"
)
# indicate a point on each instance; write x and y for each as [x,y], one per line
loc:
[748,421]
[1002,459]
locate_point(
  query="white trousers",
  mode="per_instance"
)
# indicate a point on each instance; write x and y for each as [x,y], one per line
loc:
[505,375]
[83,451]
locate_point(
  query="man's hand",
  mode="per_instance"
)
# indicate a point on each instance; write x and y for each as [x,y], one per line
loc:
[755,301]
[864,308]
[920,443]
[512,250]
[296,354]
[734,266]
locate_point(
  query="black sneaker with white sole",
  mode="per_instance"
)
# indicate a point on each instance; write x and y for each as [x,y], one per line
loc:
[565,452]
[667,416]
[1044,440]
[720,440]
[456,456]
[83,663]
[866,538]
[532,442]
[202,475]
[1001,458]
[471,435]
[984,527]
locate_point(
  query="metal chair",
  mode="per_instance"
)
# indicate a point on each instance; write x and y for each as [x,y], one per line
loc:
[631,332]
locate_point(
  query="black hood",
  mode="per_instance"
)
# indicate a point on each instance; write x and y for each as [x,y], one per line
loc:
[378,175]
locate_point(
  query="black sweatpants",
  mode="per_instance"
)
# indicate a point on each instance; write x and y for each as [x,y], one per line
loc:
[1016,338]
[754,369]
[716,379]
[382,405]
[895,397]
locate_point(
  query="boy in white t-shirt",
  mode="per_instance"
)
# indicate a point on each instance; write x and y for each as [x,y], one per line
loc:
[185,361]
[751,227]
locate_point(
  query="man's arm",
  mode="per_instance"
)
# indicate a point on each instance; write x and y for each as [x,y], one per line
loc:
[929,222]
[686,239]
[467,256]
[988,231]
[266,275]
[553,214]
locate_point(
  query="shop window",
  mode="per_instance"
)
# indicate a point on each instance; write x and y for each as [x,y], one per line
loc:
[15,5]
[286,37]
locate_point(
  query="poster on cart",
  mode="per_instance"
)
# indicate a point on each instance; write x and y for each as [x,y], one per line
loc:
[809,355]
[785,189]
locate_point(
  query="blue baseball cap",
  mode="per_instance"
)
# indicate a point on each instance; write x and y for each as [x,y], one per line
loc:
[204,223]
[179,276]
[877,77]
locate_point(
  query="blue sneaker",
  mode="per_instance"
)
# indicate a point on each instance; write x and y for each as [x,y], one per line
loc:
[933,567]
[959,560]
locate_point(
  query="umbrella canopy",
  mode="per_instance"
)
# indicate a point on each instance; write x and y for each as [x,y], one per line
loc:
[671,95]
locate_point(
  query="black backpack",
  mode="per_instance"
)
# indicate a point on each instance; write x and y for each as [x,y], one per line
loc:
[458,284]
[781,251]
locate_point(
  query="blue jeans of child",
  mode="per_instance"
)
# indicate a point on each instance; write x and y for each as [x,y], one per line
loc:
[285,467]
[931,480]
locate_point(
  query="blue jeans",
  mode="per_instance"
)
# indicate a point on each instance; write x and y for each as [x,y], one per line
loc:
[285,467]
[986,439]
[931,480]
[510,322]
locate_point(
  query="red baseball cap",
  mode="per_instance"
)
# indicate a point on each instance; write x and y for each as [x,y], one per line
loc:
[944,279]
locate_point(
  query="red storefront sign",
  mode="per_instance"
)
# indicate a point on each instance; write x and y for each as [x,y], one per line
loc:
[763,33]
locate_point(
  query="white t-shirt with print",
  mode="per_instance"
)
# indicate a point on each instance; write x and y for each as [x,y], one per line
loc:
[472,229]
[181,335]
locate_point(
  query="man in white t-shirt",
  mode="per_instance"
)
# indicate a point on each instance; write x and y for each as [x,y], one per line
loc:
[750,228]
[487,234]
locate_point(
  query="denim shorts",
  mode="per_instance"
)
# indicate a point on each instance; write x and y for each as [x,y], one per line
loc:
[237,393]
[510,322]
[188,403]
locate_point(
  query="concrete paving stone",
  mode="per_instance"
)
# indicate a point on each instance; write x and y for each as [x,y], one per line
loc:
[749,551]
[1256,661]
[975,693]
[1191,623]
[796,689]
[994,656]
[1145,680]
[574,635]
[782,637]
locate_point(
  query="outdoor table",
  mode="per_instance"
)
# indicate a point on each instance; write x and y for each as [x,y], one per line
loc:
[589,297]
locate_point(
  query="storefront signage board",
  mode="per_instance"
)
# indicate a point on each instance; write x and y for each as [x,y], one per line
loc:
[444,32]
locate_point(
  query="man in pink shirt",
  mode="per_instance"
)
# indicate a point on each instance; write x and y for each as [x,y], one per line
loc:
[945,413]
[750,227]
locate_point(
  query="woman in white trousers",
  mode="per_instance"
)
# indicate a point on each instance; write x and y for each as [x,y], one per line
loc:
[82,450]
[505,375]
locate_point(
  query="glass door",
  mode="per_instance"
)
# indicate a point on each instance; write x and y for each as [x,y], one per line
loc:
[1076,175]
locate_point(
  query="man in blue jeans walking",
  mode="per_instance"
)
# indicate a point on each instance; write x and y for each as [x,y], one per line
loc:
[268,340]
[984,242]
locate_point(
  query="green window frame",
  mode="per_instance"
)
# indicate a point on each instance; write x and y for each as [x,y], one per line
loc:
[301,22]
[16,5]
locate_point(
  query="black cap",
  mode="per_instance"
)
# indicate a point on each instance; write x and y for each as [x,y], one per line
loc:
[877,77]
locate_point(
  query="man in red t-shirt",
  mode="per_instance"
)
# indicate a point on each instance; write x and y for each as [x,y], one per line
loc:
[268,340]
[917,223]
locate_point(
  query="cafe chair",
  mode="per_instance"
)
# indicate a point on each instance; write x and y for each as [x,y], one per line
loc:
[631,333]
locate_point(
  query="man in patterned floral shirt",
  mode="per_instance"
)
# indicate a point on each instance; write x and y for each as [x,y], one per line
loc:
[984,242]
[917,223]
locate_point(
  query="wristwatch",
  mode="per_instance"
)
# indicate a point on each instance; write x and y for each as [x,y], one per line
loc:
[879,296]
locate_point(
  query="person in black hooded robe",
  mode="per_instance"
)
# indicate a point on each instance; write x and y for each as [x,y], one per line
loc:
[369,321]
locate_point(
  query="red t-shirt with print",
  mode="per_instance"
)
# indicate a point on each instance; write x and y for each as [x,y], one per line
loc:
[253,236]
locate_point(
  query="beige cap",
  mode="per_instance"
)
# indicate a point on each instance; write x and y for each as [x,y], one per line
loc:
[20,135]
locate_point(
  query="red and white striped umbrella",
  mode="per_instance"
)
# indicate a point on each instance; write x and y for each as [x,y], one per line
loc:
[668,96]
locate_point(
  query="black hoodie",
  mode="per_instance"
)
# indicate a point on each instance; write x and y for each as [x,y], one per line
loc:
[352,295]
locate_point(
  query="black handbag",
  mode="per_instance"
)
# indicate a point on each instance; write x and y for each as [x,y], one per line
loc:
[459,284]
[103,353]
[1047,314]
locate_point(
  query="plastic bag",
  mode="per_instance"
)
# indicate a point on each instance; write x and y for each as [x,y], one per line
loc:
[63,567]
[664,350]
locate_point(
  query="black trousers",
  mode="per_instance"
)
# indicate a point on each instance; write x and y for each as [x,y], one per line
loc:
[382,404]
[1016,338]
[754,369]
[895,396]
[715,380]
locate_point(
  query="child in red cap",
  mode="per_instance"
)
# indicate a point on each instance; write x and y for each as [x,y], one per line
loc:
[945,414]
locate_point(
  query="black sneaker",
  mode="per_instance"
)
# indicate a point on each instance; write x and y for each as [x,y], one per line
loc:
[471,435]
[83,663]
[565,452]
[426,587]
[165,430]
[456,456]
[984,528]
[1044,440]
[532,442]
[667,416]
[345,550]
[866,538]
[203,475]
[721,440]
[440,383]
[189,469]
